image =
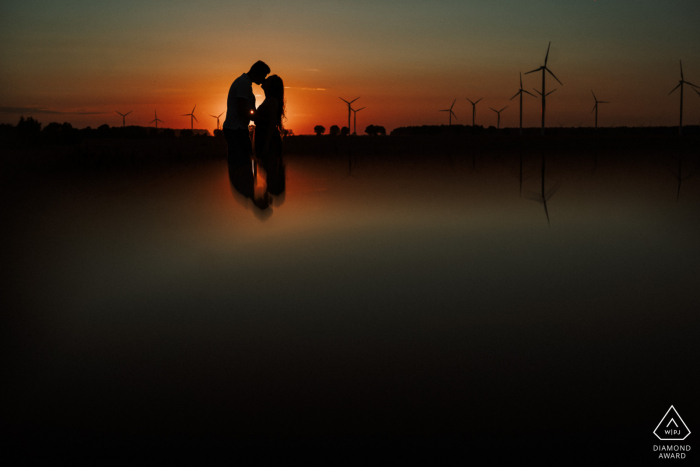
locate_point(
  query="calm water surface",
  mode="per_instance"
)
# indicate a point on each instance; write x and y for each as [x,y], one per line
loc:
[422,299]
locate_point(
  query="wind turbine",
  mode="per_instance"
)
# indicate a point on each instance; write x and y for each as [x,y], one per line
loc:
[544,94]
[156,120]
[474,109]
[192,117]
[595,107]
[354,131]
[451,113]
[349,108]
[680,84]
[217,118]
[520,92]
[124,117]
[499,114]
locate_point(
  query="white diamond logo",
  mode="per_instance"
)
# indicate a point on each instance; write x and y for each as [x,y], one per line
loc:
[671,427]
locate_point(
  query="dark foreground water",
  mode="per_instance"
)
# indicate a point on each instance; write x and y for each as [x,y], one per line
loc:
[416,310]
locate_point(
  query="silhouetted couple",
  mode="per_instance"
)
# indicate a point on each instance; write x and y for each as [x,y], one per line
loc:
[267,140]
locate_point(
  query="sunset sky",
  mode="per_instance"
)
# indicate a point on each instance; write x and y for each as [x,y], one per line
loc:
[80,61]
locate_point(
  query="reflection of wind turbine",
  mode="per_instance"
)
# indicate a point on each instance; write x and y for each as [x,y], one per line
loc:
[216,117]
[192,117]
[450,111]
[680,85]
[595,107]
[354,131]
[474,109]
[349,109]
[520,92]
[499,115]
[156,120]
[544,196]
[679,176]
[544,94]
[124,117]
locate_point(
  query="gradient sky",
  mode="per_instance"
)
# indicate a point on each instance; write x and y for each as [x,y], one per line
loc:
[80,61]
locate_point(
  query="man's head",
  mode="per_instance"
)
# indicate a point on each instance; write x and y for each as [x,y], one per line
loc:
[258,72]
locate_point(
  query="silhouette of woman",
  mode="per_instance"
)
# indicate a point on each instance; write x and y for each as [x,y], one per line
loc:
[268,140]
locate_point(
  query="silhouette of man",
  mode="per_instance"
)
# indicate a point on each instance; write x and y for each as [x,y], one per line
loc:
[240,107]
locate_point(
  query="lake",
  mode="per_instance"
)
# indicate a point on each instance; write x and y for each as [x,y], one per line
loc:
[413,307]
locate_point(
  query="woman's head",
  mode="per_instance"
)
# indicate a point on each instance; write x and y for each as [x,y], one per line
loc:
[273,86]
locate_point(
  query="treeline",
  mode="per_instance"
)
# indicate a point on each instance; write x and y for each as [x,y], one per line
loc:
[29,131]
[335,130]
[440,130]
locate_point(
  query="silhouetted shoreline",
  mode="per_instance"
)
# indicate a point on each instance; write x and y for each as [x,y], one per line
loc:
[62,147]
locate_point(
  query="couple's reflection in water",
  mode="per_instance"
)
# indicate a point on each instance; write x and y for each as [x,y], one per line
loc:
[260,185]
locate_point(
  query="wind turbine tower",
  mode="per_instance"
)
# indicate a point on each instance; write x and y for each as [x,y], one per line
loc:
[595,108]
[192,117]
[680,84]
[349,109]
[544,94]
[156,120]
[474,109]
[520,92]
[124,117]
[451,113]
[354,132]
[499,115]
[217,119]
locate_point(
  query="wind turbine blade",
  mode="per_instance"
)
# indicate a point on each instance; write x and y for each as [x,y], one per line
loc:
[128,113]
[550,92]
[603,102]
[696,91]
[360,109]
[679,85]
[537,91]
[453,104]
[516,95]
[344,100]
[521,80]
[533,196]
[195,118]
[550,72]
[594,98]
[681,69]
[219,115]
[453,114]
[471,101]
[546,57]
[493,109]
[504,108]
[354,100]
[538,69]
[120,113]
[478,101]
[596,105]
[195,106]
[212,115]
[528,92]
[151,122]
[185,115]
[693,85]
[551,191]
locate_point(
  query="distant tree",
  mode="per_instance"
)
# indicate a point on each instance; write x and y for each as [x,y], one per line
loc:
[286,132]
[319,130]
[344,131]
[28,129]
[380,130]
[335,130]
[218,133]
[186,133]
[168,133]
[371,130]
